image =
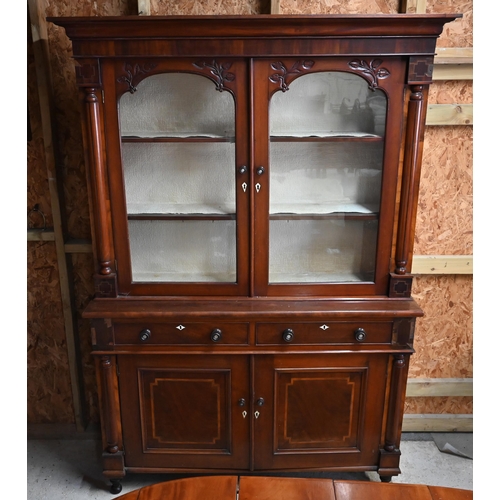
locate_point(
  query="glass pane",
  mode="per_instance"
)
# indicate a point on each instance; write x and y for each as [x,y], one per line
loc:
[177,105]
[183,251]
[322,251]
[179,178]
[326,158]
[325,177]
[178,157]
[326,104]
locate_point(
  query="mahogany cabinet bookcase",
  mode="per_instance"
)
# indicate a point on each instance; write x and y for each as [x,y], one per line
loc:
[253,187]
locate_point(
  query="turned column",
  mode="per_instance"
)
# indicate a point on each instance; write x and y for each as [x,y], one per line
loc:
[113,459]
[411,177]
[396,400]
[419,78]
[98,179]
[390,452]
[110,412]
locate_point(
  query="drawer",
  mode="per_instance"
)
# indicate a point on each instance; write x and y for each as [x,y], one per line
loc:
[181,333]
[324,333]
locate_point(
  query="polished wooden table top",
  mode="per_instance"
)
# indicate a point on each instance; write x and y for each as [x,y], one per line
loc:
[278,488]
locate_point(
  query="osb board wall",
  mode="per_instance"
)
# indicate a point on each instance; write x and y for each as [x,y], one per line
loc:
[446,193]
[209,7]
[443,337]
[458,33]
[339,6]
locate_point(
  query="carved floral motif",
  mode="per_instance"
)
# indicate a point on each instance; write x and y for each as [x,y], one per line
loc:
[219,71]
[371,69]
[131,73]
[283,72]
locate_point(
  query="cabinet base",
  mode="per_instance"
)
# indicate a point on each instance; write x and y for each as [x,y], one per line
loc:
[389,465]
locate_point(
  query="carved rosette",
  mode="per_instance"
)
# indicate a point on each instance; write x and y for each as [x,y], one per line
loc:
[133,74]
[283,73]
[219,72]
[371,70]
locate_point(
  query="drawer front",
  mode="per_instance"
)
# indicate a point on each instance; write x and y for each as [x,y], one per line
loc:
[181,333]
[324,333]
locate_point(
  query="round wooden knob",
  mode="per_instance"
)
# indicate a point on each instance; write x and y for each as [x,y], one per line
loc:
[144,335]
[216,335]
[360,335]
[288,335]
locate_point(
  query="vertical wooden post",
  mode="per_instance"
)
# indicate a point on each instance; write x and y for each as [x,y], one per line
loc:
[275,7]
[413,6]
[144,7]
[41,52]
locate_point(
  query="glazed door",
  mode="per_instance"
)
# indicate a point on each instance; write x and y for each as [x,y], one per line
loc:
[181,412]
[326,161]
[178,176]
[319,411]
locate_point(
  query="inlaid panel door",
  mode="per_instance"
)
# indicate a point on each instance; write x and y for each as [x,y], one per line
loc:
[180,412]
[319,410]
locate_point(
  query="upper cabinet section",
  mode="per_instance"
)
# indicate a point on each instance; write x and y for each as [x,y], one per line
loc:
[254,155]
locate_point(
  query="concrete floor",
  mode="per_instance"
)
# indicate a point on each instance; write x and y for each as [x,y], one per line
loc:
[71,469]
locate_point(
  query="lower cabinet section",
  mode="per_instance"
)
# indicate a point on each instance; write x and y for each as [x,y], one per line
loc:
[253,412]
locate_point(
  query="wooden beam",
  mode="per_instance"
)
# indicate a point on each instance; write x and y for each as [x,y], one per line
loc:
[41,235]
[435,387]
[454,55]
[275,7]
[144,7]
[442,264]
[437,423]
[449,114]
[78,246]
[46,98]
[452,72]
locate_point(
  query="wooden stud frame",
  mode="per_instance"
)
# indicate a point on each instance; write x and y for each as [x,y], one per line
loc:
[41,52]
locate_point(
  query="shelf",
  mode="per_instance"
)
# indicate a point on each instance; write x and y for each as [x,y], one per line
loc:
[179,138]
[330,216]
[354,137]
[185,211]
[164,277]
[324,209]
[320,277]
[181,217]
